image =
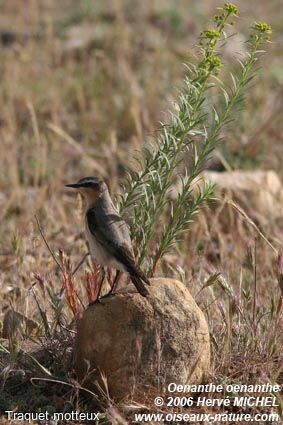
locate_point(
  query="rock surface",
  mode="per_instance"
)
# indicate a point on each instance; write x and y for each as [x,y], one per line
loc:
[143,344]
[259,192]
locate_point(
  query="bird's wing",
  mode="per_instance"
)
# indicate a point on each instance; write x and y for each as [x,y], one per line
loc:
[111,231]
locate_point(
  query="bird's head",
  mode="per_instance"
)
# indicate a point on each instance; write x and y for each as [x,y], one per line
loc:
[90,187]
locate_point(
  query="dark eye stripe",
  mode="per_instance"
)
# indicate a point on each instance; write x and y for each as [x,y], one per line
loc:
[91,184]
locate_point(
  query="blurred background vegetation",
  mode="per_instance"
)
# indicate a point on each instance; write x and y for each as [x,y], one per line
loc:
[84,83]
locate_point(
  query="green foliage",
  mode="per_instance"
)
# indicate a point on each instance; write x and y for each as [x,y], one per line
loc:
[190,131]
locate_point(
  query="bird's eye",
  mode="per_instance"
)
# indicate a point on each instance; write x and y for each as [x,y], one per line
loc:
[89,184]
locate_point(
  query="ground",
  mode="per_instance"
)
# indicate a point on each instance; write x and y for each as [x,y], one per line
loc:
[83,86]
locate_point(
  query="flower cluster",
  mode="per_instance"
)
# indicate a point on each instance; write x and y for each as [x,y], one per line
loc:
[211,34]
[231,9]
[211,63]
[261,31]
[262,28]
[209,38]
[228,10]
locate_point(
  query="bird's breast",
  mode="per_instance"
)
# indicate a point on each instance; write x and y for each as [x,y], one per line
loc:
[96,249]
[102,256]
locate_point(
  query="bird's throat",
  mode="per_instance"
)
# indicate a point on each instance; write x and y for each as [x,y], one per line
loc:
[91,197]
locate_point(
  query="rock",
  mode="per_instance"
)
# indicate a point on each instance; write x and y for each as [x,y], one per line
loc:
[10,37]
[15,324]
[79,37]
[143,344]
[258,192]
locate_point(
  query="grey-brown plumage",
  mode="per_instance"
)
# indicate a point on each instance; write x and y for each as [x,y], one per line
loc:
[107,233]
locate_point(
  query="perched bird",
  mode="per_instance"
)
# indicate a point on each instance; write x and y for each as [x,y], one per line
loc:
[107,233]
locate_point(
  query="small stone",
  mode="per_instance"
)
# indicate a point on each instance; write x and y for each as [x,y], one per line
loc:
[15,323]
[80,37]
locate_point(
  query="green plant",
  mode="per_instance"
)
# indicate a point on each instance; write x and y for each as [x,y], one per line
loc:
[190,131]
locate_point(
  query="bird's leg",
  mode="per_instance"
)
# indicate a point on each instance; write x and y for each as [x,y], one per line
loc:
[97,300]
[103,274]
[113,286]
[115,283]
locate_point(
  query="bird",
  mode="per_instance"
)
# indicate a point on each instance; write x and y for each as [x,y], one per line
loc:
[108,234]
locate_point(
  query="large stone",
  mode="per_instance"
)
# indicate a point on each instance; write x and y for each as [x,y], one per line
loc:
[258,192]
[143,344]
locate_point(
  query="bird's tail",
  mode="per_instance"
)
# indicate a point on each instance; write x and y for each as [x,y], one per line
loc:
[143,277]
[137,281]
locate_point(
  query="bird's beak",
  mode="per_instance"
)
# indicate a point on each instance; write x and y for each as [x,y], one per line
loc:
[73,185]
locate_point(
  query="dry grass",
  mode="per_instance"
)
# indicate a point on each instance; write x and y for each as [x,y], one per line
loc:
[69,111]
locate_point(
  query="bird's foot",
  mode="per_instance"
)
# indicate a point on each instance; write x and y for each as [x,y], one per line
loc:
[97,301]
[109,294]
